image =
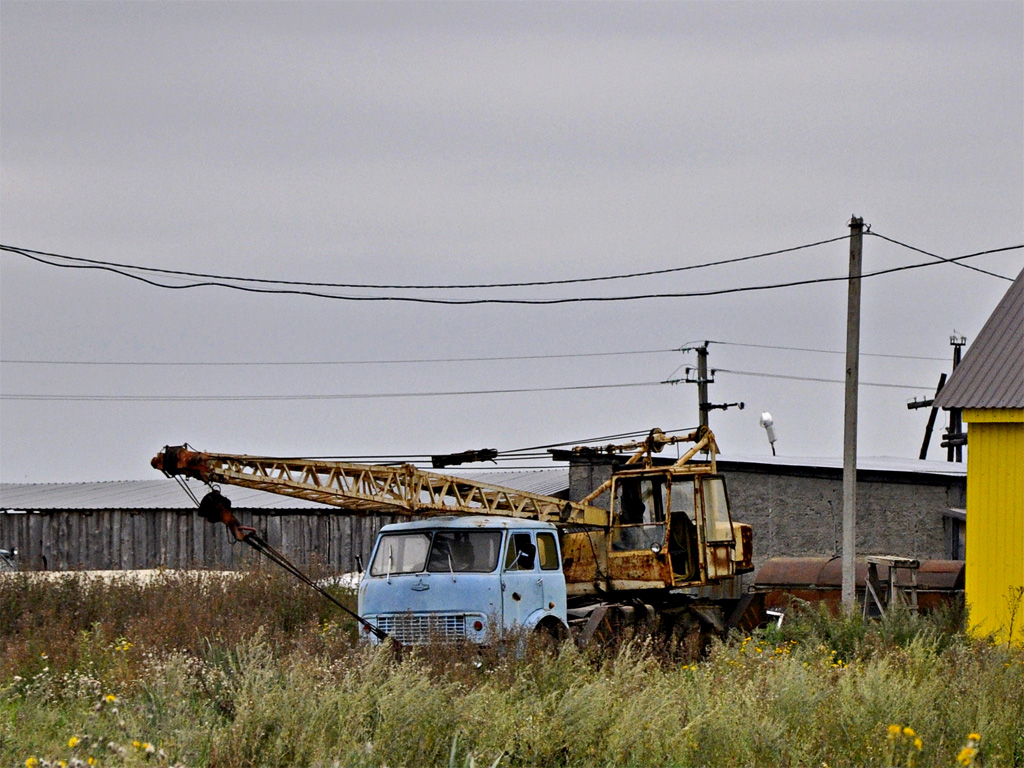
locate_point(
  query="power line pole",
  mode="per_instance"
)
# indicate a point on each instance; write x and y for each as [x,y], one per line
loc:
[931,415]
[955,436]
[702,381]
[849,593]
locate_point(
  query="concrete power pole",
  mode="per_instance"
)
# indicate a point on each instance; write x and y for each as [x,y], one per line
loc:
[850,420]
[702,383]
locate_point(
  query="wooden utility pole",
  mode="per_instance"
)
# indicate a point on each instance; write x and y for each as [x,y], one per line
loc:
[850,420]
[931,416]
[955,435]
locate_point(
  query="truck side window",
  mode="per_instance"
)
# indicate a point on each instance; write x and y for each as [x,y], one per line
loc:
[548,551]
[521,553]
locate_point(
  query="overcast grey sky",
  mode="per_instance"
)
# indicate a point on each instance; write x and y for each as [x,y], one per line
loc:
[437,143]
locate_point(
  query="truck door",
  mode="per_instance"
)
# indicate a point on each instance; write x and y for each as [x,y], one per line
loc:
[522,586]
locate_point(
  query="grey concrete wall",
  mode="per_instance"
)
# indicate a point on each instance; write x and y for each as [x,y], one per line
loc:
[799,515]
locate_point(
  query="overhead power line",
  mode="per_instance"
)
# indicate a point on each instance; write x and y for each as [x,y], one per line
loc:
[360,396]
[825,351]
[406,361]
[396,395]
[688,347]
[382,286]
[535,302]
[936,256]
[763,375]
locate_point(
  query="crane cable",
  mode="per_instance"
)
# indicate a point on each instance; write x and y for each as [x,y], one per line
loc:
[261,545]
[223,505]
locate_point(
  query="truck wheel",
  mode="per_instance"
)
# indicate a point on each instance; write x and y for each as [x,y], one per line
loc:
[548,636]
[691,637]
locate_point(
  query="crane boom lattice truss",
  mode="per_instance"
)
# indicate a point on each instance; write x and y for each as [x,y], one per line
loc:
[374,489]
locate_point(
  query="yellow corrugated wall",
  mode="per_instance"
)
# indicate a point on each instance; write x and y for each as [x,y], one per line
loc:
[995,522]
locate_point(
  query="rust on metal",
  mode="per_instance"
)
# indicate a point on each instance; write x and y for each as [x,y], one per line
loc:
[819,579]
[640,566]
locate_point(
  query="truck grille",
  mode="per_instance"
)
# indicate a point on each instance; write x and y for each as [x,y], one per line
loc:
[411,629]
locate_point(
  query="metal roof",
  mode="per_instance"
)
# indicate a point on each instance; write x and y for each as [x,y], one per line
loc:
[131,494]
[991,374]
[864,464]
[546,482]
[164,493]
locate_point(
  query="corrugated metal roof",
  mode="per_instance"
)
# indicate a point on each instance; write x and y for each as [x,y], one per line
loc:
[991,374]
[164,493]
[131,494]
[547,482]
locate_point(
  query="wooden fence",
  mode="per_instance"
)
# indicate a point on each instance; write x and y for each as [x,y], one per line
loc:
[59,540]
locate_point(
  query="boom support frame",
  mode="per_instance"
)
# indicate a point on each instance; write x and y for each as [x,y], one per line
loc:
[374,489]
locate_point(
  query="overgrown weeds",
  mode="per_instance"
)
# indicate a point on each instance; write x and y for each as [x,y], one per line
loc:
[251,672]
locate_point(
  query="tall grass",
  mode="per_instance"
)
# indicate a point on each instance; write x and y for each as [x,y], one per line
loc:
[256,672]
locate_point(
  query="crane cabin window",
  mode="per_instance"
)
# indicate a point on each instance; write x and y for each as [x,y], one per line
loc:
[682,536]
[716,509]
[640,507]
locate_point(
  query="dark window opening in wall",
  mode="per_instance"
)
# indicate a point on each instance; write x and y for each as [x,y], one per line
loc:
[955,523]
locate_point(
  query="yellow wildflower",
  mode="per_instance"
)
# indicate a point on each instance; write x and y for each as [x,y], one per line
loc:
[894,731]
[137,744]
[110,698]
[91,761]
[909,732]
[966,756]
[32,763]
[73,742]
[918,744]
[974,736]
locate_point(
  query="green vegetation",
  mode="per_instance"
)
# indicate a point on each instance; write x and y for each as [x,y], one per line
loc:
[258,671]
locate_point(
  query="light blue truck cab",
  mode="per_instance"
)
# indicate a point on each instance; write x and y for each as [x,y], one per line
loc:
[467,578]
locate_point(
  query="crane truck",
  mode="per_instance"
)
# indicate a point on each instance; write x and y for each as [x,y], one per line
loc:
[654,544]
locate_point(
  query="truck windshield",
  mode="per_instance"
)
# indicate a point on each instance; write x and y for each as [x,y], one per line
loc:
[400,553]
[437,551]
[472,551]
